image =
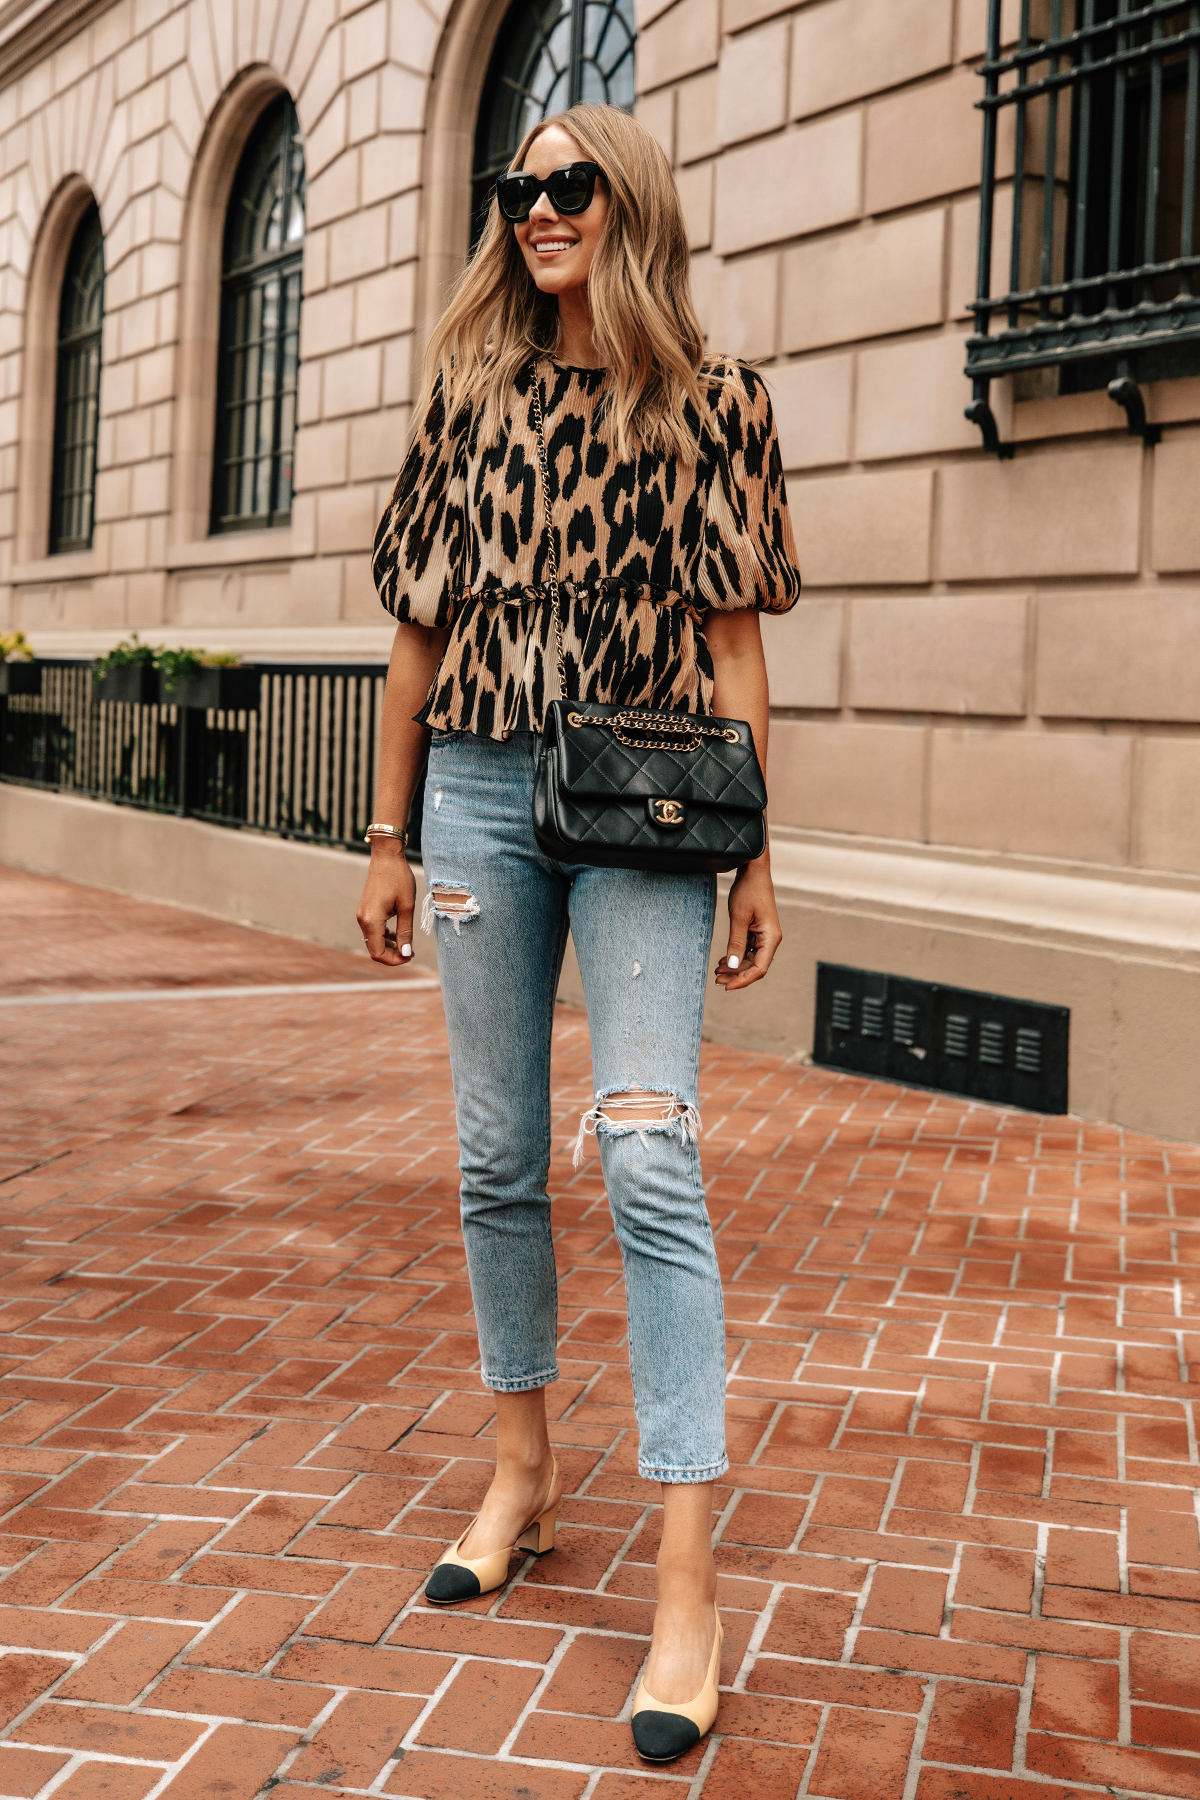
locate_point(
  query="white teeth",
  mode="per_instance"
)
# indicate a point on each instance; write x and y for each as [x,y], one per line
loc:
[554,244]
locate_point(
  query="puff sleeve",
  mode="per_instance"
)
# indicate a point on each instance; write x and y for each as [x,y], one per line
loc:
[419,546]
[748,558]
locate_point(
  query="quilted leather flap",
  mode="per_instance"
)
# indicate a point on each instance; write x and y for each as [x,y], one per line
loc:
[594,764]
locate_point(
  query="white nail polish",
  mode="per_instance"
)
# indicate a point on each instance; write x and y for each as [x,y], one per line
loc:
[733,962]
[406,949]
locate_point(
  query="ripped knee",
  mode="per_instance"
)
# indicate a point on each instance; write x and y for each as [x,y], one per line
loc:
[637,1109]
[451,900]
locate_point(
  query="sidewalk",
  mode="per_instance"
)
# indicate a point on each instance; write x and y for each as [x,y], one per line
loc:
[241,1418]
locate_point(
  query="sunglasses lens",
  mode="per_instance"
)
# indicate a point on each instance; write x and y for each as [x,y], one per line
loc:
[516,195]
[571,189]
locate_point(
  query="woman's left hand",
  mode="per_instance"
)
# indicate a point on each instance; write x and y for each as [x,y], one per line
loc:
[754,931]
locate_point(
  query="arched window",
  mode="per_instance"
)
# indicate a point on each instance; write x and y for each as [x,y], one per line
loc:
[259,355]
[77,390]
[549,55]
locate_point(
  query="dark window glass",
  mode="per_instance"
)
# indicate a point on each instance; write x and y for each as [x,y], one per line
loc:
[549,55]
[1090,251]
[1129,181]
[77,390]
[259,357]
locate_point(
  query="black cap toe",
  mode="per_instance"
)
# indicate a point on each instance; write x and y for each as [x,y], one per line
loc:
[661,1737]
[449,1583]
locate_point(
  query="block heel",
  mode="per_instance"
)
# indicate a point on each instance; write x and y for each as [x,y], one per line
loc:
[539,1537]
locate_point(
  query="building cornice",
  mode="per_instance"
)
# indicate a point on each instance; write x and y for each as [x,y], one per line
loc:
[33,29]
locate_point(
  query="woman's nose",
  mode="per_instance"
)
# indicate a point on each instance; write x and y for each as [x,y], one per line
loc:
[542,209]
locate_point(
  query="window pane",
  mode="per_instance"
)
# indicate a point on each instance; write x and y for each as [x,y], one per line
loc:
[260,329]
[77,390]
[548,56]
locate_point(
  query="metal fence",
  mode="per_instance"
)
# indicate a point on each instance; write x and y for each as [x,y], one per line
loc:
[301,765]
[1103,102]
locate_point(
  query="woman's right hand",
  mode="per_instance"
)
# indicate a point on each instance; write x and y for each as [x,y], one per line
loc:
[390,893]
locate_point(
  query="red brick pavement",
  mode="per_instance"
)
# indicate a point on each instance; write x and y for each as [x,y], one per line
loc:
[241,1417]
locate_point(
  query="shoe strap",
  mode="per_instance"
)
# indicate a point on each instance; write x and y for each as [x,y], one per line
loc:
[543,1509]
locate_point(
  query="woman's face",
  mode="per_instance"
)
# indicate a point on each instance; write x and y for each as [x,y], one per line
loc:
[558,247]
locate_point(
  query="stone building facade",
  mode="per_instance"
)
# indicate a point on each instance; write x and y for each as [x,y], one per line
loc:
[985,749]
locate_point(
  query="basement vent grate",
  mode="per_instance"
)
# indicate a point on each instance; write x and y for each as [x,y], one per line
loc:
[904,1023]
[1012,1052]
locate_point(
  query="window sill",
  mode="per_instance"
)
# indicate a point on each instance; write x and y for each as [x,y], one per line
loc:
[1074,415]
[72,566]
[230,547]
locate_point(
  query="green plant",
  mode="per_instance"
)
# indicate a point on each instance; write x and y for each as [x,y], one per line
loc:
[176,663]
[172,663]
[129,650]
[14,647]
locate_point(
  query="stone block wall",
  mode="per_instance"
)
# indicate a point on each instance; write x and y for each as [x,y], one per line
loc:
[994,656]
[125,104]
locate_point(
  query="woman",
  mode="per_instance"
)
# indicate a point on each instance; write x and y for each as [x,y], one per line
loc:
[672,535]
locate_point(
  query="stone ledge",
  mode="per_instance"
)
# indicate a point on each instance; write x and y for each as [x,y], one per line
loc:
[305,890]
[1147,913]
[271,643]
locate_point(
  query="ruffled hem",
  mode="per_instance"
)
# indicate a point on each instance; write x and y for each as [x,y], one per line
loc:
[621,647]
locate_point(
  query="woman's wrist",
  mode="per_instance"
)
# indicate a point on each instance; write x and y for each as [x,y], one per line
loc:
[388,849]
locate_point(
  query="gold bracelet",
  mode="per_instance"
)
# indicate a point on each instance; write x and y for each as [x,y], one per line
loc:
[375,830]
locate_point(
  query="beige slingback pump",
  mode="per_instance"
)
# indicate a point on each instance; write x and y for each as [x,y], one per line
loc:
[662,1732]
[456,1577]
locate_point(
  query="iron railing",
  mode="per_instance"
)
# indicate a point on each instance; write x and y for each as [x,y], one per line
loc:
[1103,270]
[302,765]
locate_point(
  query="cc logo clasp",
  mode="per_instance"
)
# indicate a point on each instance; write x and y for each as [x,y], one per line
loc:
[668,812]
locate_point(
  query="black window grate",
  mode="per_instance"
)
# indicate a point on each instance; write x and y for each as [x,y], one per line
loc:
[1103,275]
[987,1046]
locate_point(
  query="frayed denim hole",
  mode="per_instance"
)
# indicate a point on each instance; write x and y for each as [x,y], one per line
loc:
[451,900]
[672,1115]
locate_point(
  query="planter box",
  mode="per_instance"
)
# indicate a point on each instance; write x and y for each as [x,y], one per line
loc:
[131,684]
[230,690]
[20,677]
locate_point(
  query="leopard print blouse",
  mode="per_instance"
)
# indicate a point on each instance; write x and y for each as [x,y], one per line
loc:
[644,549]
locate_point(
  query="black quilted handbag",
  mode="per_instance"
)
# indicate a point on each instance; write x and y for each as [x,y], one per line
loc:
[628,788]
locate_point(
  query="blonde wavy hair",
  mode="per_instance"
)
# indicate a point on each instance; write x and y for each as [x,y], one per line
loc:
[644,324]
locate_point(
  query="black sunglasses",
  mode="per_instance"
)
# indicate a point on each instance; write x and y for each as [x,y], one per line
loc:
[570,188]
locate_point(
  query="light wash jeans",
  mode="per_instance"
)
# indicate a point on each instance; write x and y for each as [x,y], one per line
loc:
[643,946]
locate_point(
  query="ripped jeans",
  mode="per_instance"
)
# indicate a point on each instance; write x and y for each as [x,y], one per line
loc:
[501,912]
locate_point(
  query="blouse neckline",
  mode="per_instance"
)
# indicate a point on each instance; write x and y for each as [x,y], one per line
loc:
[571,368]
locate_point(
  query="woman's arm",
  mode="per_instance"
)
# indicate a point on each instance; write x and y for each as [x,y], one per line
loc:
[740,692]
[390,890]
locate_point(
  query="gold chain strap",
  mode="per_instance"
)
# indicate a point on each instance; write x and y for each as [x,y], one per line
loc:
[553,559]
[636,729]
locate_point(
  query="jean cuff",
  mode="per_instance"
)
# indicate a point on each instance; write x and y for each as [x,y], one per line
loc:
[521,1384]
[672,1476]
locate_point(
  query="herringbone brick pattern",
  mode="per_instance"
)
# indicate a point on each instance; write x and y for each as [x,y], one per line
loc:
[241,1417]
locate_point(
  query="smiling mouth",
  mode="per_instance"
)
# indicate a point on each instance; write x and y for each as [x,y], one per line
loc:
[552,246]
